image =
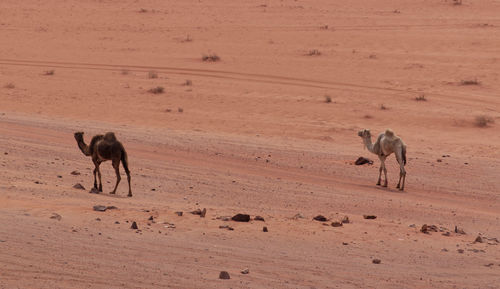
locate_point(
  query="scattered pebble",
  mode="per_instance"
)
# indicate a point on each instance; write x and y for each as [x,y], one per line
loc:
[224,275]
[245,271]
[369,217]
[196,212]
[376,261]
[178,214]
[345,220]
[203,213]
[75,173]
[461,251]
[134,226]
[259,218]
[362,161]
[426,229]
[478,239]
[79,186]
[56,216]
[226,227]
[298,216]
[459,231]
[336,224]
[320,218]
[345,243]
[264,229]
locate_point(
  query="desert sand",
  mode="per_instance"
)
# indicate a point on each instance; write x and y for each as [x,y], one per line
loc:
[270,129]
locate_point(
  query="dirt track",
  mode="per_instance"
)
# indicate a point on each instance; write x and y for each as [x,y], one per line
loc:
[255,136]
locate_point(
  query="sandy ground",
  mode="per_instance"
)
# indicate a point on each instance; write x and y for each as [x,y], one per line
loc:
[251,133]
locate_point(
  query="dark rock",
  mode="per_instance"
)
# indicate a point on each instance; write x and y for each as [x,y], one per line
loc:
[75,173]
[459,231]
[241,218]
[203,213]
[116,222]
[345,243]
[345,220]
[336,224]
[59,176]
[245,271]
[178,214]
[94,191]
[79,186]
[224,275]
[362,161]
[376,261]
[320,218]
[259,218]
[111,208]
[461,251]
[134,226]
[98,219]
[264,229]
[479,239]
[100,208]
[369,217]
[150,218]
[196,212]
[56,216]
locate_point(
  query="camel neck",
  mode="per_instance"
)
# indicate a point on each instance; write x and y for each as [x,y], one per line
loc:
[368,144]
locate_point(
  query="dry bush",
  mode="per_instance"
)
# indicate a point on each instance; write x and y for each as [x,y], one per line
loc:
[157,90]
[328,99]
[483,120]
[188,82]
[10,85]
[210,57]
[314,52]
[421,98]
[152,74]
[383,107]
[142,10]
[180,109]
[470,82]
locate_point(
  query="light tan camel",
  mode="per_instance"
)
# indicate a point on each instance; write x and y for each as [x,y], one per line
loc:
[386,144]
[103,148]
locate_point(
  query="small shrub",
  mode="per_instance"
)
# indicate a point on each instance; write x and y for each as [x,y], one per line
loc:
[367,116]
[142,10]
[152,74]
[49,72]
[10,85]
[328,99]
[188,82]
[314,52]
[421,98]
[156,90]
[383,107]
[483,120]
[187,39]
[457,2]
[210,57]
[180,109]
[470,82]
[372,56]
[125,72]
[324,27]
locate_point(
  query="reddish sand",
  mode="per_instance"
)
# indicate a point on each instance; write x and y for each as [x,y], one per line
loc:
[251,133]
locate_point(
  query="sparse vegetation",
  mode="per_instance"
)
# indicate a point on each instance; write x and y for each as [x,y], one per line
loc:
[421,98]
[328,99]
[470,82]
[314,52]
[10,85]
[457,2]
[383,107]
[324,27]
[367,116]
[152,74]
[49,72]
[187,39]
[142,10]
[157,90]
[210,57]
[188,82]
[483,120]
[125,72]
[180,109]
[372,56]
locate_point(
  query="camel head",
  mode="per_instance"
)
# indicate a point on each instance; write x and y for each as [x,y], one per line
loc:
[79,136]
[365,133]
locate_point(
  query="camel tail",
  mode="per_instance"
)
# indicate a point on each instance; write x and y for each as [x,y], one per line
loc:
[125,160]
[404,155]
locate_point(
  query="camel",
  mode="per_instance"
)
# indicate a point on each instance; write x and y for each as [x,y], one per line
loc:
[386,144]
[102,148]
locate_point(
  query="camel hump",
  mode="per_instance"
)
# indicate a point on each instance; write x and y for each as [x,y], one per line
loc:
[389,133]
[110,136]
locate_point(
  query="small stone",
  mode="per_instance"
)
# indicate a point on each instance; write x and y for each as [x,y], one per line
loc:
[345,243]
[59,176]
[259,218]
[98,219]
[178,214]
[489,265]
[479,239]
[116,222]
[75,173]
[245,271]
[224,275]
[459,231]
[412,226]
[320,218]
[376,261]
[461,251]
[79,186]
[134,226]
[362,161]
[345,220]
[150,218]
[444,250]
[241,218]
[56,216]
[264,229]
[100,208]
[203,213]
[336,224]
[447,234]
[196,212]
[226,227]
[298,216]
[369,217]
[111,208]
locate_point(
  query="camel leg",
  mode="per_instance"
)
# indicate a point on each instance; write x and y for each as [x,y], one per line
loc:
[380,171]
[98,163]
[402,172]
[382,168]
[116,166]
[128,179]
[95,177]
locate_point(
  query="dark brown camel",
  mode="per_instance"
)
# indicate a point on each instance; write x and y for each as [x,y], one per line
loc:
[103,148]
